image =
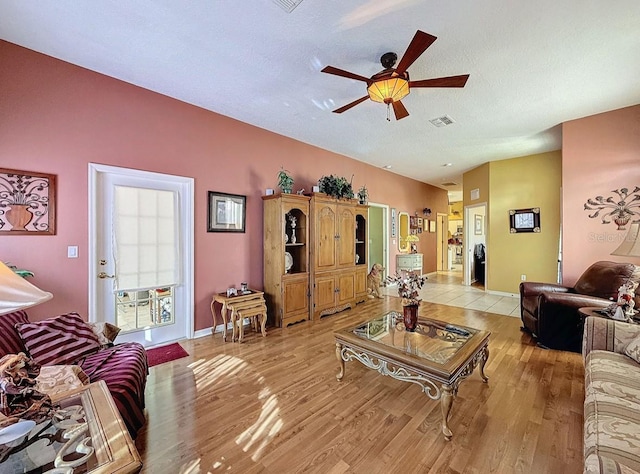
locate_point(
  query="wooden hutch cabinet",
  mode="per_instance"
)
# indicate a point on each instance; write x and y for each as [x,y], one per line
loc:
[286,258]
[338,254]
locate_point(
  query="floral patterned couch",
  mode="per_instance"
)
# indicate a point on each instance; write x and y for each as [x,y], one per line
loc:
[611,350]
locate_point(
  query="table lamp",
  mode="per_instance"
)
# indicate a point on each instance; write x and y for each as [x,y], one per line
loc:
[16,293]
[630,246]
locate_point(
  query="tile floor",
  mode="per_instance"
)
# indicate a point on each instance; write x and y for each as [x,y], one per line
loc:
[446,288]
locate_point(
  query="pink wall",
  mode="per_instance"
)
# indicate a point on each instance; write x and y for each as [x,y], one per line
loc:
[56,118]
[599,153]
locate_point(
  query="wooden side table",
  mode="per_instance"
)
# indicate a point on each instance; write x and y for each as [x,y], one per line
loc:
[253,310]
[228,302]
[595,311]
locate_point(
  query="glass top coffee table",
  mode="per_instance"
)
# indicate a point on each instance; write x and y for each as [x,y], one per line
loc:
[437,356]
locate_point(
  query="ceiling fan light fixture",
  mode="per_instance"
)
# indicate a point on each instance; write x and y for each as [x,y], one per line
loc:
[389,90]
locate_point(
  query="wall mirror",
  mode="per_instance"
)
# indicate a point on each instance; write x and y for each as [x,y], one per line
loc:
[403,231]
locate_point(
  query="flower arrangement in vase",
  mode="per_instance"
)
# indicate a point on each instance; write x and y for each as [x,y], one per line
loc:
[409,284]
[363,195]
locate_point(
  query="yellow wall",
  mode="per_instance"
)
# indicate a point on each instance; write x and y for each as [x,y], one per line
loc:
[519,183]
[455,207]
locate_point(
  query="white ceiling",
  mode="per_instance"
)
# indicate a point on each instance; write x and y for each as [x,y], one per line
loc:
[532,66]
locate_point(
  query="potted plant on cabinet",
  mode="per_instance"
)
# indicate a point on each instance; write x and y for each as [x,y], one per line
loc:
[285,181]
[336,186]
[363,194]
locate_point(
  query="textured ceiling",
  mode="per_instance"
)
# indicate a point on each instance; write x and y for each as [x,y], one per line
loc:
[532,66]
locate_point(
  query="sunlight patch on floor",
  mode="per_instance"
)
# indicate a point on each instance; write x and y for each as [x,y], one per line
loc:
[266,427]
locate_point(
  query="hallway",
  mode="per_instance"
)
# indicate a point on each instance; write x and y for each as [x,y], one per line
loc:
[446,288]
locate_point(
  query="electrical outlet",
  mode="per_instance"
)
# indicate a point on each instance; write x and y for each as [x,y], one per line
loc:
[523,277]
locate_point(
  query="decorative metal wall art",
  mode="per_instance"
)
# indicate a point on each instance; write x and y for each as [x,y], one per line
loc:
[622,209]
[27,203]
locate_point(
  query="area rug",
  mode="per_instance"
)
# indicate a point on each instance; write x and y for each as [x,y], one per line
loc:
[160,355]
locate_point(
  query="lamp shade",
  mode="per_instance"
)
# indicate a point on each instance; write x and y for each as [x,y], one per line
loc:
[388,87]
[630,246]
[17,293]
[388,90]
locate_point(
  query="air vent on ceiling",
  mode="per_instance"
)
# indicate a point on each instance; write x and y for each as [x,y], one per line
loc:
[449,183]
[442,121]
[287,5]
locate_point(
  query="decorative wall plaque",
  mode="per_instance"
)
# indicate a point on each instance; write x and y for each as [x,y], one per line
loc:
[27,203]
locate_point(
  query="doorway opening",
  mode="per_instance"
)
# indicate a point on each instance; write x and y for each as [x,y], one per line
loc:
[475,250]
[379,236]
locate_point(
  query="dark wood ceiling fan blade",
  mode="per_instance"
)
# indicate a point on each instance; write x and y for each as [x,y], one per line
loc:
[352,104]
[400,110]
[419,44]
[452,81]
[341,72]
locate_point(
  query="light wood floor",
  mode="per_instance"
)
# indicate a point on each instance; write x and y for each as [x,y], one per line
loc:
[273,405]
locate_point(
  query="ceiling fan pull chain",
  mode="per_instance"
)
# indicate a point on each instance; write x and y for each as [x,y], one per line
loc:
[388,112]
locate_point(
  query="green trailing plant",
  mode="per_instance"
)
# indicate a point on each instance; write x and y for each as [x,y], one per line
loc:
[336,186]
[285,181]
[18,271]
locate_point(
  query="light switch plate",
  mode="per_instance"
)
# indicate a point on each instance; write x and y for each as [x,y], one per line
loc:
[72,251]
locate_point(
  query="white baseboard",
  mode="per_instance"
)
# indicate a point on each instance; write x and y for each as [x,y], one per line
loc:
[203,332]
[218,329]
[502,293]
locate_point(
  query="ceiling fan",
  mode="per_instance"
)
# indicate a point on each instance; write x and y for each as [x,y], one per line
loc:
[390,85]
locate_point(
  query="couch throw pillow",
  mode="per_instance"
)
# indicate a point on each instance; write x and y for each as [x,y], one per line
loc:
[10,342]
[633,349]
[105,332]
[60,340]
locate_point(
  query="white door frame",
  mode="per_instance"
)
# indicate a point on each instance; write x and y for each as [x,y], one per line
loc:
[186,245]
[467,248]
[385,234]
[442,242]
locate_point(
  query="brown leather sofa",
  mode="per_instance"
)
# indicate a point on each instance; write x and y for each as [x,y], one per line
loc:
[550,311]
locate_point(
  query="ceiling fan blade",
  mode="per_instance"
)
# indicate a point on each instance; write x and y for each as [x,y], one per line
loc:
[352,104]
[419,44]
[452,81]
[343,73]
[400,110]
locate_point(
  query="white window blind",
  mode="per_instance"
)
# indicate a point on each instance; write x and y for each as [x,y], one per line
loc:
[145,238]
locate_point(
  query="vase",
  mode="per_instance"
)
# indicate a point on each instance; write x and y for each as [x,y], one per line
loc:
[410,317]
[19,216]
[621,220]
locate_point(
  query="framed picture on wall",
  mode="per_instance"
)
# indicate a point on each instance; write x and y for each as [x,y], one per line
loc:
[393,222]
[227,212]
[478,224]
[27,203]
[524,220]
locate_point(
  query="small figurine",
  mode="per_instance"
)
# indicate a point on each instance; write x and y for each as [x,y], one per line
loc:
[623,308]
[626,295]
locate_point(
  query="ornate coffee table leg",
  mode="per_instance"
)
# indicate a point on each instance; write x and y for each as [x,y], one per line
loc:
[483,361]
[446,401]
[340,360]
